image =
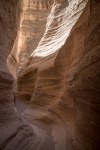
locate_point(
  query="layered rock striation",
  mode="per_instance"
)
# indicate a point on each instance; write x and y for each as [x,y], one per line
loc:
[33,24]
[66,67]
[62,18]
[60,80]
[15,132]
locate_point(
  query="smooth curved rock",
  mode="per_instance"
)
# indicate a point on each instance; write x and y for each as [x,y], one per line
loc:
[15,132]
[63,83]
[45,54]
[67,84]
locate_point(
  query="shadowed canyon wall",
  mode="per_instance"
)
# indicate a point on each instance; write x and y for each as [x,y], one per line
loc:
[61,78]
[15,133]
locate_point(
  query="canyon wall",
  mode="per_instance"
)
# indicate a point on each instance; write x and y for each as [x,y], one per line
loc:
[62,18]
[33,24]
[62,78]
[15,133]
[81,92]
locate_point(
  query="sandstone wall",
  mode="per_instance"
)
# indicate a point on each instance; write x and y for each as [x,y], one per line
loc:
[67,81]
[81,94]
[13,130]
[63,16]
[33,24]
[63,83]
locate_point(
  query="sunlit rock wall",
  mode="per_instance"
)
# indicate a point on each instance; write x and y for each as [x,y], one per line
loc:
[63,16]
[63,83]
[13,60]
[33,24]
[66,76]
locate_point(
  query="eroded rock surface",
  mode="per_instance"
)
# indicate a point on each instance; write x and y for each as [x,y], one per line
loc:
[59,108]
[62,18]
[65,84]
[33,24]
[15,132]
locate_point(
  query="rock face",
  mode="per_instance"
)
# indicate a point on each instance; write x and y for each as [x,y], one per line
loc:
[61,79]
[15,133]
[64,82]
[61,18]
[81,79]
[33,24]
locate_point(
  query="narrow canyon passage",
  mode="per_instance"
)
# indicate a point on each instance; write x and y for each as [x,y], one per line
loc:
[51,135]
[50,75]
[43,132]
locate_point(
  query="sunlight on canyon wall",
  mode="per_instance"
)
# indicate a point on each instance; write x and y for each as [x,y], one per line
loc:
[51,51]
[59,24]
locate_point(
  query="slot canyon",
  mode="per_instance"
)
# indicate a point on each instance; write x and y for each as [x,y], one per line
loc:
[49,74]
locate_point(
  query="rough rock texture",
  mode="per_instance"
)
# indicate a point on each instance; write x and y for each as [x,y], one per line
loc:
[15,132]
[62,79]
[66,82]
[63,16]
[33,24]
